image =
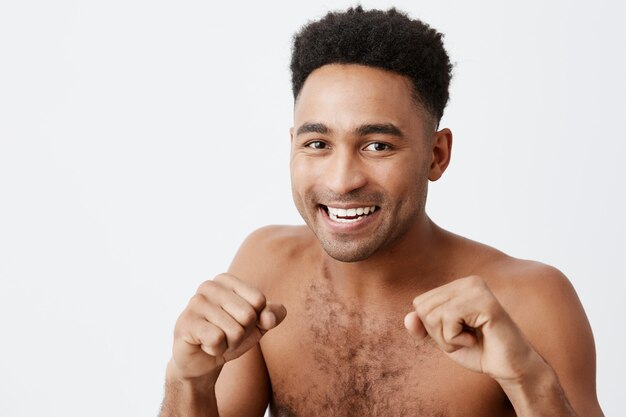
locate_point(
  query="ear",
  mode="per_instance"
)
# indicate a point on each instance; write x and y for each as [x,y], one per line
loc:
[441,150]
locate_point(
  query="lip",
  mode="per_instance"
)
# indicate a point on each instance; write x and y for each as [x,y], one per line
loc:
[349,206]
[358,226]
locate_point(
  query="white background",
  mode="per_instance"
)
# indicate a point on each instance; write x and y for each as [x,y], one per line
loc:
[141,141]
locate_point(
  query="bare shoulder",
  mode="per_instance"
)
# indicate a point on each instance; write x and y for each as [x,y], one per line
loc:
[506,274]
[268,252]
[530,290]
[544,304]
[277,237]
[517,283]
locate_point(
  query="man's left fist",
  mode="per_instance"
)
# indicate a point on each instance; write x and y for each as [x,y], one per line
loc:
[468,323]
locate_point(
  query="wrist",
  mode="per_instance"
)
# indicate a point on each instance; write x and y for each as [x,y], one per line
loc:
[536,388]
[191,397]
[173,376]
[534,371]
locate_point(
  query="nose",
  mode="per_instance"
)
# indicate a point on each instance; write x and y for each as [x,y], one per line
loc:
[344,172]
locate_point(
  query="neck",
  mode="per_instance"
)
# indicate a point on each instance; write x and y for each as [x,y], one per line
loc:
[411,263]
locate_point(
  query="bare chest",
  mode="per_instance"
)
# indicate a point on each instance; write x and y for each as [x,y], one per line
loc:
[336,360]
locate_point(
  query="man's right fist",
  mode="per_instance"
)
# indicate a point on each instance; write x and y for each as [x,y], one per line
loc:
[223,320]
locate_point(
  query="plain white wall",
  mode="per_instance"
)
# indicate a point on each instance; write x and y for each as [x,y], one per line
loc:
[141,141]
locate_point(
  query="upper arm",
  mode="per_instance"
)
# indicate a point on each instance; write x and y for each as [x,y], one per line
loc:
[243,387]
[554,321]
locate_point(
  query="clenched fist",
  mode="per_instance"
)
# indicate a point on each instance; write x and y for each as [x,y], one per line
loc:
[468,323]
[223,320]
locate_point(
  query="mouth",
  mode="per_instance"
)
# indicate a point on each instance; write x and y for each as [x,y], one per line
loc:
[349,215]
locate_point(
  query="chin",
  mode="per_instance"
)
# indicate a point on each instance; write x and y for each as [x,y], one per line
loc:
[346,254]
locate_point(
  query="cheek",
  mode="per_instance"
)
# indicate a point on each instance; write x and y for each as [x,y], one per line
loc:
[295,169]
[400,178]
[302,173]
[302,182]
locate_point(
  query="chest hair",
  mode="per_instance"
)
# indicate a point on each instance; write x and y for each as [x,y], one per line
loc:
[364,364]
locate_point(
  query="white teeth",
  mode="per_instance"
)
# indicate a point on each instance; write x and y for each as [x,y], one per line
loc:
[343,215]
[342,220]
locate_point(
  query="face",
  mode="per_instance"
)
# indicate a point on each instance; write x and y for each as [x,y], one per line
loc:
[360,159]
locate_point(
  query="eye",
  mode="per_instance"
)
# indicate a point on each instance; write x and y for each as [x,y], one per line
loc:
[377,147]
[316,144]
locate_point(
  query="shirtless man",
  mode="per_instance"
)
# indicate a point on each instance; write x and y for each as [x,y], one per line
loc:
[371,309]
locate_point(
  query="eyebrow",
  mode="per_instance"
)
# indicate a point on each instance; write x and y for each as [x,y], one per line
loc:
[313,128]
[363,130]
[380,128]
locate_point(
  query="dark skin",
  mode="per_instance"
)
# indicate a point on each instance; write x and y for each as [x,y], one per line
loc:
[380,313]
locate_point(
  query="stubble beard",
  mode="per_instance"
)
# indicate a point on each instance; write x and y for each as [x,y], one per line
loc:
[394,226]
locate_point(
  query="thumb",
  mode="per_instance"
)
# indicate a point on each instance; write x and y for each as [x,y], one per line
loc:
[415,326]
[271,316]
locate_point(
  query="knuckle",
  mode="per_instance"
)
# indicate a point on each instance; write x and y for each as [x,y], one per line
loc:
[431,321]
[209,350]
[420,309]
[474,280]
[207,287]
[183,323]
[214,337]
[227,280]
[213,350]
[247,316]
[184,318]
[222,277]
[237,334]
[258,300]
[196,301]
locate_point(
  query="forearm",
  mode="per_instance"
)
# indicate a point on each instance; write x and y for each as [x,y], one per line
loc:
[188,398]
[538,393]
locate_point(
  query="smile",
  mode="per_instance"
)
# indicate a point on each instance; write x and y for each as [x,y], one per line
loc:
[350,215]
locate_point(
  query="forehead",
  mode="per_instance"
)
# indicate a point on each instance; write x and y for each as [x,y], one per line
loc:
[344,95]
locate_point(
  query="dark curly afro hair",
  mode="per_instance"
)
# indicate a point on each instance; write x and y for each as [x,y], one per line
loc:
[384,39]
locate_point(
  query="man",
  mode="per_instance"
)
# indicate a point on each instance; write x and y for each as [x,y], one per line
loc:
[371,309]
